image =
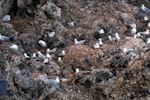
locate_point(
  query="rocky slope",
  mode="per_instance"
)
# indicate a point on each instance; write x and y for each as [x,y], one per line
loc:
[42,57]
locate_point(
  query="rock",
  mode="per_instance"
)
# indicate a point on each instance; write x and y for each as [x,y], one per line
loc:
[120,62]
[5,6]
[23,3]
[52,11]
[81,56]
[3,88]
[134,43]
[51,69]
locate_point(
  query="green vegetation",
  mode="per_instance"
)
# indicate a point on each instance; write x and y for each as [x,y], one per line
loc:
[3,32]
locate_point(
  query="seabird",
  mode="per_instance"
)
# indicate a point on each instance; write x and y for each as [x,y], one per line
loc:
[54,82]
[148,41]
[110,38]
[77,70]
[6,18]
[51,34]
[34,55]
[71,24]
[126,50]
[79,42]
[101,31]
[145,32]
[96,46]
[131,25]
[133,30]
[100,41]
[4,38]
[62,53]
[41,56]
[145,9]
[57,79]
[26,55]
[48,56]
[117,36]
[46,61]
[148,24]
[14,47]
[51,51]
[59,59]
[42,43]
[146,18]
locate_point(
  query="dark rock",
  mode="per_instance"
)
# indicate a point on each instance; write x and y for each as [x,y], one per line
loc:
[52,11]
[103,76]
[120,62]
[3,87]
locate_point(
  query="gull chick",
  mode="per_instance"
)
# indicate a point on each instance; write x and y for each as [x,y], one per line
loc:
[42,43]
[79,42]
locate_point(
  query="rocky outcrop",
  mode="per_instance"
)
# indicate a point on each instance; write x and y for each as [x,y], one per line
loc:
[5,6]
[66,69]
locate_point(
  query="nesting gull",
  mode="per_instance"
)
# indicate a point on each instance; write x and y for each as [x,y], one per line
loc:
[101,31]
[6,18]
[14,47]
[96,46]
[26,55]
[100,42]
[42,43]
[79,42]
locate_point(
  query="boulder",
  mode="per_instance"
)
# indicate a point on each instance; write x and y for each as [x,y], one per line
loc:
[51,10]
[5,7]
